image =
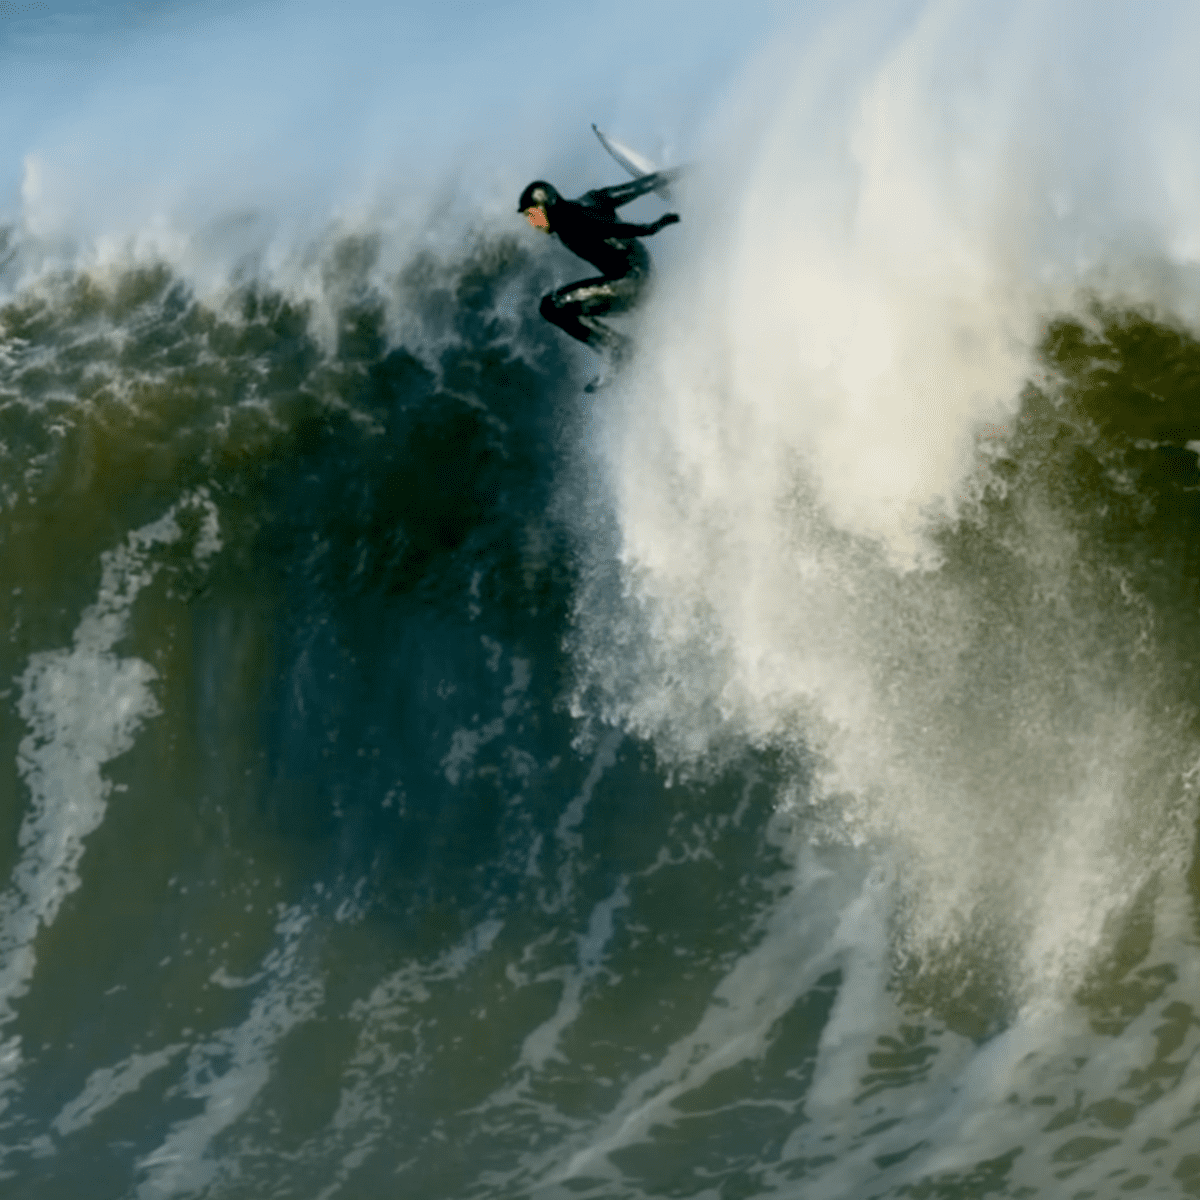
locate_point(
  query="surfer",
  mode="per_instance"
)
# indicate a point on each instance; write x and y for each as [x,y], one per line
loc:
[589,227]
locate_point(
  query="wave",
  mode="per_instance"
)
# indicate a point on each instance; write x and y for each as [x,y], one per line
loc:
[775,775]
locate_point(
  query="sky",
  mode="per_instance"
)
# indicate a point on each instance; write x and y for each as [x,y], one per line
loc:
[120,113]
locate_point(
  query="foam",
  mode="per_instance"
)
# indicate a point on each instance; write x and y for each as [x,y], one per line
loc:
[542,1043]
[363,1115]
[84,707]
[290,995]
[106,1085]
[1049,1094]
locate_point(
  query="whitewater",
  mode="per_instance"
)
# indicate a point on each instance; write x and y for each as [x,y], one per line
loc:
[774,775]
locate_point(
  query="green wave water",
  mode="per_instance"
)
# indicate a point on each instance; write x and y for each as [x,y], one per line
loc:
[315,885]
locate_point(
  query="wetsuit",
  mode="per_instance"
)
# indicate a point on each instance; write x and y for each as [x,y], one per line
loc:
[589,227]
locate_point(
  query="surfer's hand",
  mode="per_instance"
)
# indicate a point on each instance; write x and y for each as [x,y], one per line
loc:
[667,219]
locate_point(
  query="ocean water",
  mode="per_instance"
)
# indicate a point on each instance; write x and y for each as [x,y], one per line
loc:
[775,775]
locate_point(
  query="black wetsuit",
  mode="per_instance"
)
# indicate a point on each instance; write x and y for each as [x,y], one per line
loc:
[589,227]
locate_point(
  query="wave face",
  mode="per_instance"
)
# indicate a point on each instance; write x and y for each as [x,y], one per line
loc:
[774,776]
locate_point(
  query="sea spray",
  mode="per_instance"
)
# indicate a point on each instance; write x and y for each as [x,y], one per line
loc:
[822,547]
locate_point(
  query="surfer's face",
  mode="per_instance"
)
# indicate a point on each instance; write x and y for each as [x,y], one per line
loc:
[536,216]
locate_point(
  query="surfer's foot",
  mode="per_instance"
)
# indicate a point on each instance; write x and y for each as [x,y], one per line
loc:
[608,372]
[618,350]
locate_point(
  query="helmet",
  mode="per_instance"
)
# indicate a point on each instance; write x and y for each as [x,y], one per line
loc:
[538,192]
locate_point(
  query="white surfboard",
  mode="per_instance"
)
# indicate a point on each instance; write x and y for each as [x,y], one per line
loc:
[636,164]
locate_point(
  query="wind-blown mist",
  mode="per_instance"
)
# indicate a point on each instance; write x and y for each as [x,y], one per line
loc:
[234,137]
[829,472]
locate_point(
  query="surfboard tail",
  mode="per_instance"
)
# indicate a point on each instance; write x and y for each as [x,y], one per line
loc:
[636,164]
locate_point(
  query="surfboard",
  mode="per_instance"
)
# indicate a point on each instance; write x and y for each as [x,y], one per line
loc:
[636,164]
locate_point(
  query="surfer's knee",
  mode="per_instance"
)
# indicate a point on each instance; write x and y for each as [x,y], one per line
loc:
[554,309]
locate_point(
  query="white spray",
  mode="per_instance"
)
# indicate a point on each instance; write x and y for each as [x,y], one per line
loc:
[885,222]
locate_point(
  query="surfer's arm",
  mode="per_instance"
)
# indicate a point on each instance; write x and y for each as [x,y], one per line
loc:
[625,229]
[622,193]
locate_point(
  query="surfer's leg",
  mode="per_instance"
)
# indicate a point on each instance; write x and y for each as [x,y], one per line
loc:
[575,308]
[620,295]
[564,315]
[567,305]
